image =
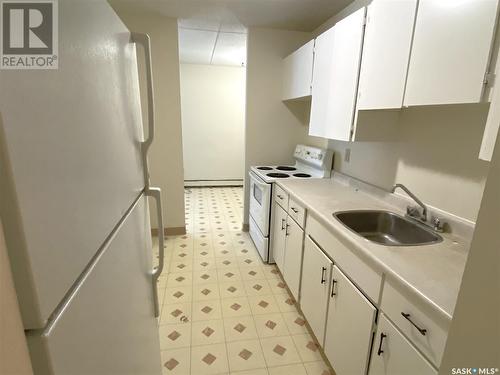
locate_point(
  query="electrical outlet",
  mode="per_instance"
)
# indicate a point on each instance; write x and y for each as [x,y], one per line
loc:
[347,155]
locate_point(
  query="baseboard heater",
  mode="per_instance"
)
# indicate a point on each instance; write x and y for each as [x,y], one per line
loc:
[208,183]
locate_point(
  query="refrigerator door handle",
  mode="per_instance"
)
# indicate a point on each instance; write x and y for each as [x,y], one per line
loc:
[156,194]
[145,42]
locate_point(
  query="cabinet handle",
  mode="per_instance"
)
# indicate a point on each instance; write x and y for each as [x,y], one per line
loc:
[421,330]
[323,270]
[286,230]
[294,209]
[282,224]
[279,196]
[382,337]
[333,288]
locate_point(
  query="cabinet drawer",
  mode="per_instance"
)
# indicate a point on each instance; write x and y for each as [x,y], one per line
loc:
[281,197]
[297,212]
[364,276]
[432,341]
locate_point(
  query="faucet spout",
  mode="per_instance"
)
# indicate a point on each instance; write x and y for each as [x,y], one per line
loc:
[414,197]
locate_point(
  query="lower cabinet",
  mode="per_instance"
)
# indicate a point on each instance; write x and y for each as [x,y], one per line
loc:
[349,326]
[278,238]
[315,287]
[393,354]
[293,256]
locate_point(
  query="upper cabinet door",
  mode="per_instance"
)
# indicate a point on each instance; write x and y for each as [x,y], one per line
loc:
[386,51]
[450,53]
[321,82]
[297,72]
[337,56]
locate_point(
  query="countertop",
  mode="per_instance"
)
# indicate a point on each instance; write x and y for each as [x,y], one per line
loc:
[433,273]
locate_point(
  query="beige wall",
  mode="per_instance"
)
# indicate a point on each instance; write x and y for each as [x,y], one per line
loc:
[213,121]
[166,164]
[473,339]
[273,128]
[437,157]
[14,358]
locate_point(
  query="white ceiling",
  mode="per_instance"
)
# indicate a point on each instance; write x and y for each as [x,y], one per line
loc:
[301,15]
[214,43]
[213,31]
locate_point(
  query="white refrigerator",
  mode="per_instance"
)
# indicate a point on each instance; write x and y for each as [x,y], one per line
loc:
[74,193]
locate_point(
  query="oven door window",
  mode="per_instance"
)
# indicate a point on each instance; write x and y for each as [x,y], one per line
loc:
[257,194]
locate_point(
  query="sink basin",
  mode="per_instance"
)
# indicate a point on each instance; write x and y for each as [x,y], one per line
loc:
[387,228]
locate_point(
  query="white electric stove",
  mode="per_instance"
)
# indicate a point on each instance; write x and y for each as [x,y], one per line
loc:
[310,162]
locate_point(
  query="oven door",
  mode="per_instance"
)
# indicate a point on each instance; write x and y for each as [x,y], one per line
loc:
[260,203]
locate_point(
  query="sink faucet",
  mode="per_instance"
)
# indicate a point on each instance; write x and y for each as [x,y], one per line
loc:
[413,211]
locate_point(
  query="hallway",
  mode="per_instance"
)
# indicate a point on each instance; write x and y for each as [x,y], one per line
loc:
[223,310]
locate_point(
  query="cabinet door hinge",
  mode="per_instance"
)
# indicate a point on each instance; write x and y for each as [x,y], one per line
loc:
[489,79]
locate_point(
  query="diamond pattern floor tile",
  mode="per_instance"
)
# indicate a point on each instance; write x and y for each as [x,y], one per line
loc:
[223,311]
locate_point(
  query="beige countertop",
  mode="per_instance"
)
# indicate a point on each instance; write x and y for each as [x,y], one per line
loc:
[432,273]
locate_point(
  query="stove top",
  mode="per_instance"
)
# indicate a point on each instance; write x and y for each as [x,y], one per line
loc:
[310,162]
[282,172]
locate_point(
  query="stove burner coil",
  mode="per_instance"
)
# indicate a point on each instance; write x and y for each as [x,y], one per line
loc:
[278,175]
[302,175]
[286,168]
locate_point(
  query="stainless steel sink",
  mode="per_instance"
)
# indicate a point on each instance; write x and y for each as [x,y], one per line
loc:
[387,228]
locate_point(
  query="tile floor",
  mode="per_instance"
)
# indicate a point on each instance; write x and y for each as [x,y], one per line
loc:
[223,310]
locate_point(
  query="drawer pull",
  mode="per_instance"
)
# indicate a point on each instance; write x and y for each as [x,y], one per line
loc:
[279,196]
[323,270]
[333,288]
[294,209]
[421,330]
[282,224]
[382,337]
[287,233]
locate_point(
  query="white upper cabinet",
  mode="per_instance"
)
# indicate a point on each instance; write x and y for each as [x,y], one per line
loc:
[297,72]
[386,51]
[337,58]
[450,52]
[321,83]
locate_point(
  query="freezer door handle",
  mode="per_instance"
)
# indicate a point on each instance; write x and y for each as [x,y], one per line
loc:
[156,194]
[145,42]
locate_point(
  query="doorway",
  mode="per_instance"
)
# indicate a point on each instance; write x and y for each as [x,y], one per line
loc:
[212,79]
